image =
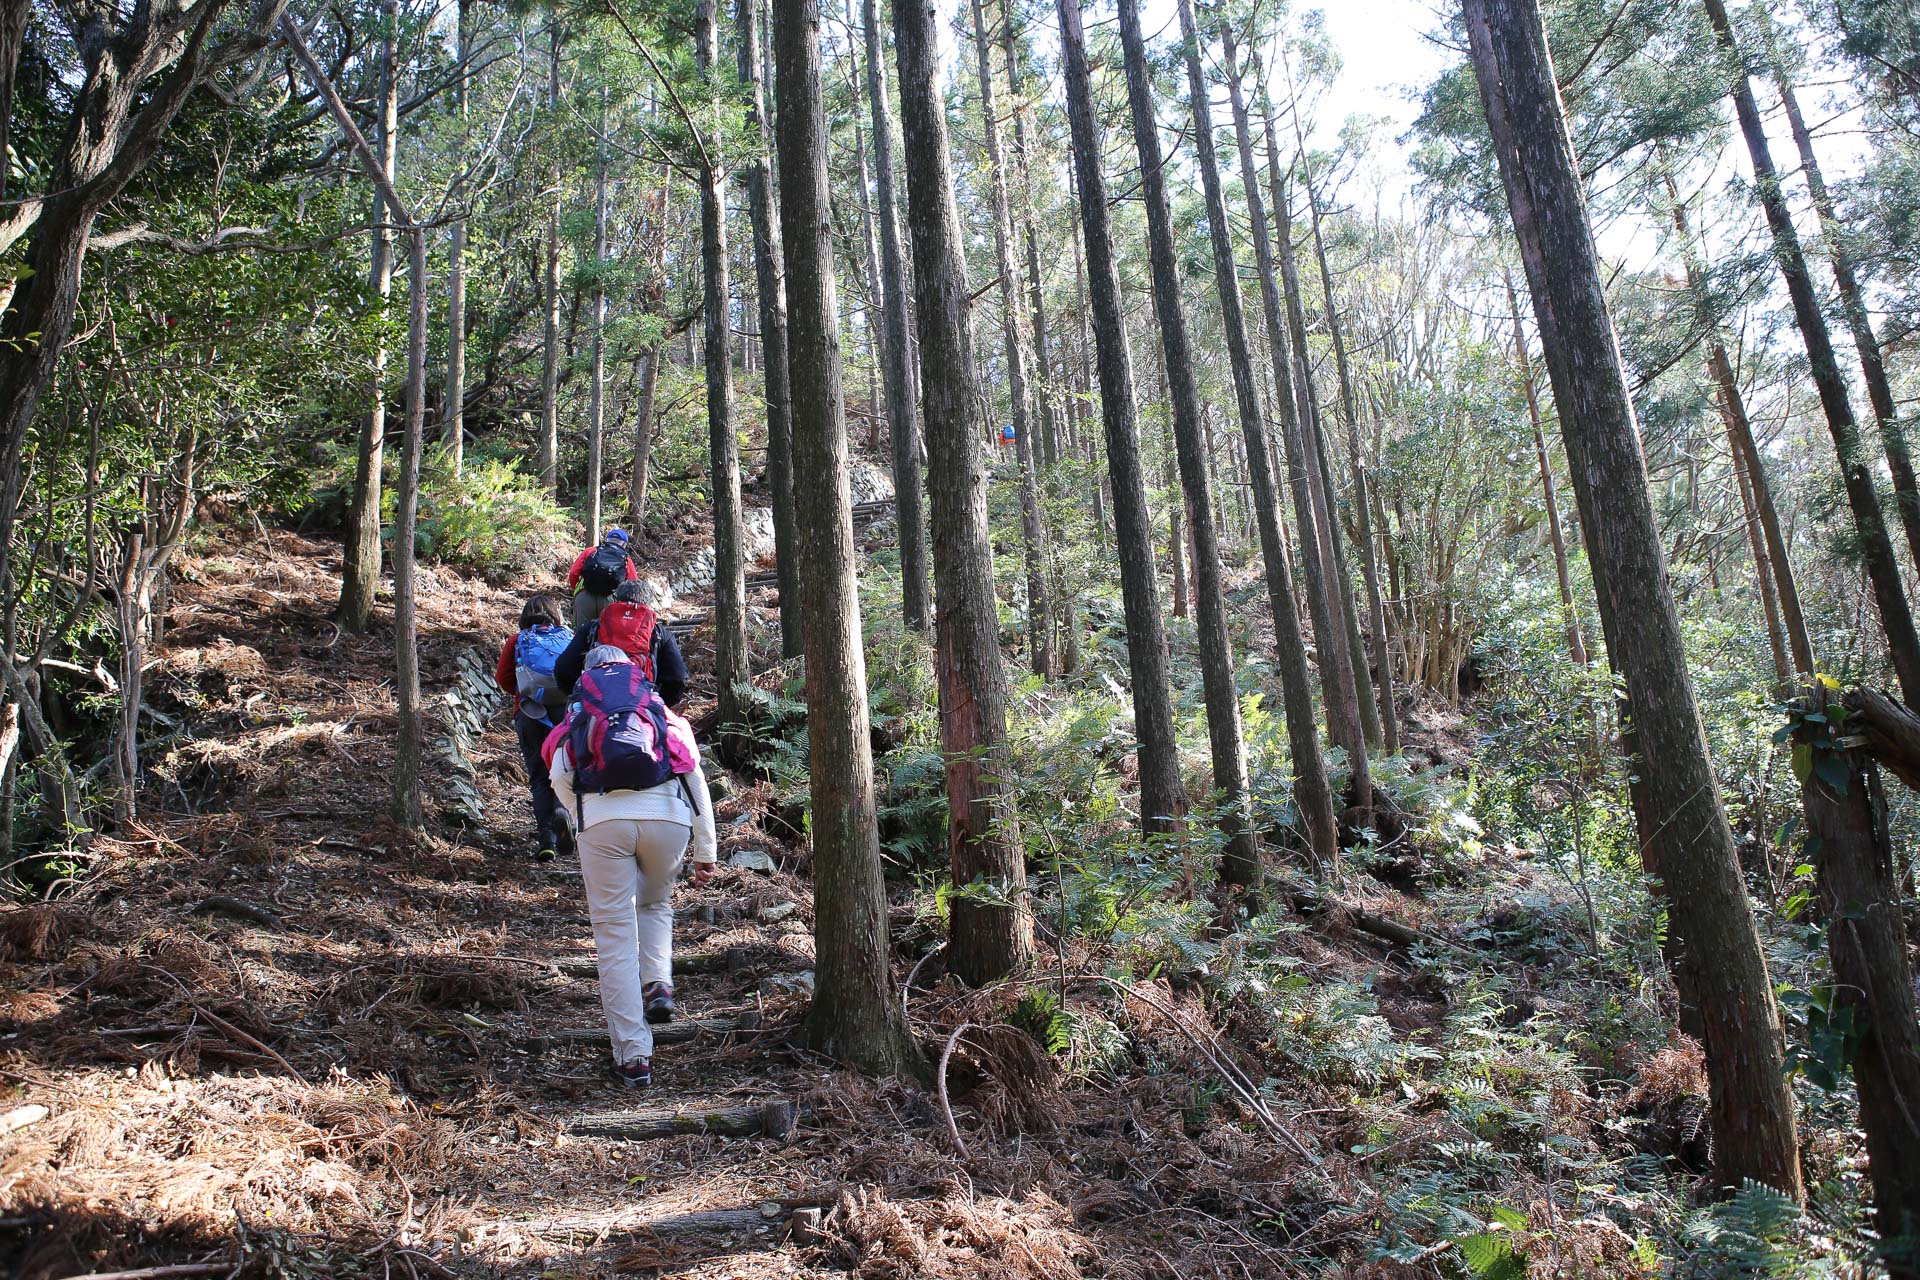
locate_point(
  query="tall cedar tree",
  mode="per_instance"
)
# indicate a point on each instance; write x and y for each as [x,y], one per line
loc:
[1336,668]
[855,1015]
[547,447]
[1856,464]
[990,938]
[1240,865]
[597,360]
[1162,799]
[1690,848]
[771,287]
[903,415]
[1019,391]
[1312,792]
[360,546]
[723,445]
[453,432]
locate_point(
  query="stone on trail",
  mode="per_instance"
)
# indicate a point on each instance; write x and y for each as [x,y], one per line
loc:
[752,860]
[789,983]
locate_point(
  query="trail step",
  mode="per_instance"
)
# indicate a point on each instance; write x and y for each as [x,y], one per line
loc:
[773,1118]
[671,1033]
[799,1215]
[729,961]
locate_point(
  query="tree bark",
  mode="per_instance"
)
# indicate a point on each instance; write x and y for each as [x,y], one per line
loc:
[597,361]
[723,445]
[771,288]
[1162,798]
[1240,864]
[547,447]
[1690,848]
[989,939]
[855,1016]
[1032,533]
[1313,795]
[1867,943]
[1523,362]
[903,419]
[1856,467]
[360,550]
[1762,568]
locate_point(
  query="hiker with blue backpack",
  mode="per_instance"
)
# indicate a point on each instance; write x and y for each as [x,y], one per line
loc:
[626,772]
[596,573]
[526,669]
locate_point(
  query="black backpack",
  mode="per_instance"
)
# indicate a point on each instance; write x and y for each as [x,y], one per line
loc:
[605,569]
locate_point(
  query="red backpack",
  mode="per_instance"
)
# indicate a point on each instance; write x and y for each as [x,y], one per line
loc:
[629,626]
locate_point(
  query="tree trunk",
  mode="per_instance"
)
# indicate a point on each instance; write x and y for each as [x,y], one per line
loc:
[547,448]
[1240,863]
[453,411]
[1762,569]
[1867,943]
[637,482]
[360,549]
[1162,798]
[1176,532]
[1856,466]
[770,285]
[597,372]
[856,1016]
[903,418]
[1312,793]
[1691,849]
[1335,660]
[1032,534]
[723,445]
[1363,519]
[989,939]
[1853,306]
[1576,643]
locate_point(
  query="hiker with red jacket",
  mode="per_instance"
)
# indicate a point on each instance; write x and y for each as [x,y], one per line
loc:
[596,573]
[526,670]
[627,772]
[629,623]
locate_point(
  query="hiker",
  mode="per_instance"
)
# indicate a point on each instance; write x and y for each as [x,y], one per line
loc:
[627,773]
[596,572]
[526,668]
[630,623]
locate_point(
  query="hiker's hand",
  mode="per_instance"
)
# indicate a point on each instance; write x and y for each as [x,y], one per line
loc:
[702,872]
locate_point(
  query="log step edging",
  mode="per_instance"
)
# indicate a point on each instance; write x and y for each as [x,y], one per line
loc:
[670,1033]
[774,1118]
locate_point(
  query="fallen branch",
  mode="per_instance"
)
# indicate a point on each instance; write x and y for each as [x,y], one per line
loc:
[240,908]
[940,1080]
[155,1273]
[1891,731]
[242,1036]
[773,1119]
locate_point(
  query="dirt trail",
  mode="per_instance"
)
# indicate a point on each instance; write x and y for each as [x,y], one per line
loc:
[271,1033]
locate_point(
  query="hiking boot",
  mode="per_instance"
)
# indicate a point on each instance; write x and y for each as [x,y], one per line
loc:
[563,839]
[544,853]
[659,1000]
[637,1074]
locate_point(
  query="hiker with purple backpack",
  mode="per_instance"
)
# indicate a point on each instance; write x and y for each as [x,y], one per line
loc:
[626,773]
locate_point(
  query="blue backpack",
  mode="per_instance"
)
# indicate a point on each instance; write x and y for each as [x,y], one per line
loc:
[534,654]
[618,732]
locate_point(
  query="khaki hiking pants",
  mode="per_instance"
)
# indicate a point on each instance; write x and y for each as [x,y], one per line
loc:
[629,865]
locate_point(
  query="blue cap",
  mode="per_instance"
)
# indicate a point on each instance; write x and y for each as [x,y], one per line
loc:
[617,535]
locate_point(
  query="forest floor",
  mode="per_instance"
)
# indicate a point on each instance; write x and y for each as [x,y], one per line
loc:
[273,1036]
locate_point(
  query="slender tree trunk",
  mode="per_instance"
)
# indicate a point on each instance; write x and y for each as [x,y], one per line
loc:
[1240,864]
[1162,799]
[903,418]
[1576,643]
[1313,795]
[1762,569]
[1856,466]
[1032,534]
[453,411]
[989,939]
[1336,662]
[1176,532]
[1363,518]
[597,373]
[770,285]
[653,293]
[360,552]
[547,448]
[1853,306]
[1691,850]
[855,1015]
[723,444]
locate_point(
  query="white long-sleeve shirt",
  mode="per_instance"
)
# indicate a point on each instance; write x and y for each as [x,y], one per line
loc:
[665,803]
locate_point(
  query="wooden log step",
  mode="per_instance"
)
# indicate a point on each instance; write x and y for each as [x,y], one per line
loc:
[670,1033]
[773,1118]
[799,1215]
[699,962]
